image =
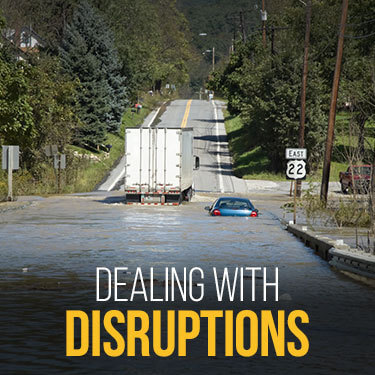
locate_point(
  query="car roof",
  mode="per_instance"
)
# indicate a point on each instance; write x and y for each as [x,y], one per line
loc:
[236,198]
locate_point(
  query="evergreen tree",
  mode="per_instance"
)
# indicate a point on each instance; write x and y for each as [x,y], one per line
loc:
[110,63]
[87,52]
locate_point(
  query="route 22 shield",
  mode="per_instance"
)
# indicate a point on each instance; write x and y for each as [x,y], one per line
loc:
[296,170]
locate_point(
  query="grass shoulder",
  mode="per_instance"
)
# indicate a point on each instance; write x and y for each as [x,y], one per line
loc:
[96,165]
[251,162]
[248,162]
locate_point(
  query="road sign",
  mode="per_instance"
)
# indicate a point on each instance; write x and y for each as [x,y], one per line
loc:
[59,161]
[15,152]
[10,161]
[50,150]
[295,153]
[296,170]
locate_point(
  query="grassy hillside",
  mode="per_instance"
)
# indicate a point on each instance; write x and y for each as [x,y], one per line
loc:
[253,163]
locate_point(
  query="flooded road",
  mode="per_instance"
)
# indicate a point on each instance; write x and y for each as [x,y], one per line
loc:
[50,251]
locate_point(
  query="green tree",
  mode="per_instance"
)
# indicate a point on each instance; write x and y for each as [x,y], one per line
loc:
[35,107]
[2,21]
[358,74]
[52,98]
[152,41]
[265,90]
[110,63]
[87,53]
[271,107]
[48,18]
[16,118]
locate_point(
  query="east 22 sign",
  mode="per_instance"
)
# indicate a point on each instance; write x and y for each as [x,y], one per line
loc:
[296,170]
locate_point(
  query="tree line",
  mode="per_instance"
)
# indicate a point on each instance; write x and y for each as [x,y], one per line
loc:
[263,83]
[97,56]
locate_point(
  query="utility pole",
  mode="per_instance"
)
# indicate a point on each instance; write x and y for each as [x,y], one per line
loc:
[234,38]
[264,19]
[213,59]
[301,136]
[332,111]
[272,40]
[371,195]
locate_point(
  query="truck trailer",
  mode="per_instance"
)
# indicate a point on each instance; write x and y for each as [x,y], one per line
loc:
[159,165]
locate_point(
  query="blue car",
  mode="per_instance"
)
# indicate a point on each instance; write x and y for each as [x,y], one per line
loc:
[229,206]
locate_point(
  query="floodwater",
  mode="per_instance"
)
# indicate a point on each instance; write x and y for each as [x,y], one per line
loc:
[49,255]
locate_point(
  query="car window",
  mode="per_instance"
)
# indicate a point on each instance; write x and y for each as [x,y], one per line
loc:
[234,204]
[362,170]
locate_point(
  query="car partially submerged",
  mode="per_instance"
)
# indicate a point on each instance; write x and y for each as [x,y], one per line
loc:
[232,206]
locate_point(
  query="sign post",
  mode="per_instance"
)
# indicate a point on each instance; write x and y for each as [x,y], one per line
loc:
[10,175]
[59,162]
[295,170]
[10,162]
[295,203]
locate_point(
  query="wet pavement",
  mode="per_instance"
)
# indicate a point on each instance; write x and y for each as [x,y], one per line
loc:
[50,251]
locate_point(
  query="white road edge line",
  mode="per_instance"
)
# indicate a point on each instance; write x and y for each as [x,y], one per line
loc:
[154,117]
[221,182]
[116,180]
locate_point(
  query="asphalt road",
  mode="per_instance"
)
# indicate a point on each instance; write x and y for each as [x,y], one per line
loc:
[210,144]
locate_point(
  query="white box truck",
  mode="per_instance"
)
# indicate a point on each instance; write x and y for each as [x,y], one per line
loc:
[159,165]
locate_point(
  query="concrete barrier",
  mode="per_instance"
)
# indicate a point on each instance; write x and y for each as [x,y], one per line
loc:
[354,263]
[319,244]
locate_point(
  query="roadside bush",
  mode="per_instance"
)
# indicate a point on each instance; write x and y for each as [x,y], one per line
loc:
[338,213]
[3,186]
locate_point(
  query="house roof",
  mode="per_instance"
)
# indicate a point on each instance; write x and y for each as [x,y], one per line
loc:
[17,50]
[29,29]
[10,34]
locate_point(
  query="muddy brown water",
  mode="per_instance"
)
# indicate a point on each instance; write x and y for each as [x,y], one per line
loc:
[50,251]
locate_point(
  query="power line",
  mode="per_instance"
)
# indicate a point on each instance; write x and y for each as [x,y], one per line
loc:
[359,36]
[361,23]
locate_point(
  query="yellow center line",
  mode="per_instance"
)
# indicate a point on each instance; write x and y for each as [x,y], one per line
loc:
[186,115]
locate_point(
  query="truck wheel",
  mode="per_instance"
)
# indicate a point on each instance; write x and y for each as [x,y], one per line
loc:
[188,195]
